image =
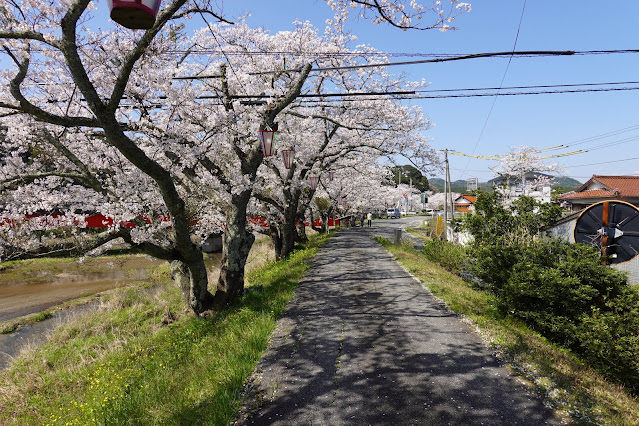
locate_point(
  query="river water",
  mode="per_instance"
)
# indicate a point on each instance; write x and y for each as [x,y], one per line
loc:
[22,299]
[19,298]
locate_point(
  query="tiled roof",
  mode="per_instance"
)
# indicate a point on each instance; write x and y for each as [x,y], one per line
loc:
[594,193]
[470,198]
[616,187]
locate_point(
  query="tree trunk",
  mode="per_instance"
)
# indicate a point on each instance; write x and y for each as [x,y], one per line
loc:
[193,281]
[325,216]
[236,244]
[301,230]
[321,229]
[289,235]
[276,237]
[324,228]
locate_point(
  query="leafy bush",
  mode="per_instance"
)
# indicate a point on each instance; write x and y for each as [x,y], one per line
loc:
[609,338]
[450,256]
[495,224]
[560,289]
[554,284]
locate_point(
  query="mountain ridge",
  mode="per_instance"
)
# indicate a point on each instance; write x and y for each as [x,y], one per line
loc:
[567,183]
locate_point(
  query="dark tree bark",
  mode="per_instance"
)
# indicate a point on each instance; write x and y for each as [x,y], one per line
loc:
[300,227]
[274,233]
[236,245]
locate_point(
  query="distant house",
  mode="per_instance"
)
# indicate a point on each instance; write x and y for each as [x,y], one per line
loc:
[533,184]
[465,203]
[599,188]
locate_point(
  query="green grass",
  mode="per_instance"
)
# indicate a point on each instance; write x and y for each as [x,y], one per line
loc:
[571,387]
[144,359]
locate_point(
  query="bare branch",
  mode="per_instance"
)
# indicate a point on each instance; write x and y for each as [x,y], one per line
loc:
[201,11]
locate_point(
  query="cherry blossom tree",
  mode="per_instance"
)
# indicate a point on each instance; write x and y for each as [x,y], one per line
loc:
[523,173]
[353,136]
[402,14]
[113,122]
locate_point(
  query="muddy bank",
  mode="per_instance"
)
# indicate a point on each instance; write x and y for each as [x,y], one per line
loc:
[20,300]
[35,286]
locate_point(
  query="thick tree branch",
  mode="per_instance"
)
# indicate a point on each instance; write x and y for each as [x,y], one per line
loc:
[28,35]
[334,121]
[151,249]
[271,201]
[87,175]
[16,181]
[37,112]
[114,133]
[274,109]
[215,170]
[65,247]
[134,55]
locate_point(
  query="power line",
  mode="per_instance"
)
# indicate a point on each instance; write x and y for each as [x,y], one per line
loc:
[421,95]
[503,78]
[544,86]
[526,53]
[221,52]
[603,135]
[414,95]
[606,162]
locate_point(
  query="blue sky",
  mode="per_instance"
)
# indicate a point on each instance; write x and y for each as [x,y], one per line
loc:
[489,125]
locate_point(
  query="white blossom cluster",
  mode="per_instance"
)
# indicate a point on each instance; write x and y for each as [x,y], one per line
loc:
[158,138]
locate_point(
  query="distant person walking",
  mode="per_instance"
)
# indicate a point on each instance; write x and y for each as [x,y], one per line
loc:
[361,220]
[369,216]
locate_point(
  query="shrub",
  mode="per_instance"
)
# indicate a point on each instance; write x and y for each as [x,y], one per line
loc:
[554,284]
[609,339]
[450,256]
[492,263]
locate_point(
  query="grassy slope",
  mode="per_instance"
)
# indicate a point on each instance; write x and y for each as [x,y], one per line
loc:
[143,359]
[575,390]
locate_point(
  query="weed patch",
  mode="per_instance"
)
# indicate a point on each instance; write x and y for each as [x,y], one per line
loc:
[127,364]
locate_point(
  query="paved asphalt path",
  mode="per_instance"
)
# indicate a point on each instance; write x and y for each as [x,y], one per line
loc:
[363,343]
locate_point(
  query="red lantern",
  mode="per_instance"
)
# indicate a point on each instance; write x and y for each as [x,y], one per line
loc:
[287,156]
[267,137]
[134,14]
[313,180]
[331,175]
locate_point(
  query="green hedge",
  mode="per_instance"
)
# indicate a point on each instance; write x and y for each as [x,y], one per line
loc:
[450,256]
[609,338]
[563,291]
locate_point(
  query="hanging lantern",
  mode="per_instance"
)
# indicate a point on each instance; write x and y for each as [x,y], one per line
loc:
[134,14]
[331,175]
[267,137]
[313,180]
[287,156]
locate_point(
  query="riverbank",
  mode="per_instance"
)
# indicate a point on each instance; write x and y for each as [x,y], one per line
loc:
[143,357]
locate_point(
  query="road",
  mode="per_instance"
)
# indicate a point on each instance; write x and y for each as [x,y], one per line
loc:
[363,343]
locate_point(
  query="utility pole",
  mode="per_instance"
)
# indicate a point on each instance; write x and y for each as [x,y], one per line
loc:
[399,181]
[450,189]
[445,196]
[410,192]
